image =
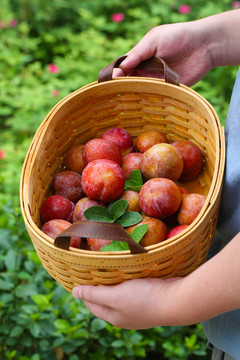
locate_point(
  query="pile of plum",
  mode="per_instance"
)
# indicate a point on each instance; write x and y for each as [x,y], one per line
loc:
[96,173]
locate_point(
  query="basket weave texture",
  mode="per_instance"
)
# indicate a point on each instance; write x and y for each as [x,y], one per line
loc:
[136,104]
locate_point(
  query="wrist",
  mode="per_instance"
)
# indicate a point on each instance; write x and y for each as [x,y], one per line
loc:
[213,43]
[174,303]
[220,34]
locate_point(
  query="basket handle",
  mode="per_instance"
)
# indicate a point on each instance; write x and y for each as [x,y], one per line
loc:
[153,64]
[99,230]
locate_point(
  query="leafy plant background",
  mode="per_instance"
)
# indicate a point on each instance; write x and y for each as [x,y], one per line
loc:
[39,320]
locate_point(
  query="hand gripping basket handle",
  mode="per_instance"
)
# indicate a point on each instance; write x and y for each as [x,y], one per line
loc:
[153,64]
[98,230]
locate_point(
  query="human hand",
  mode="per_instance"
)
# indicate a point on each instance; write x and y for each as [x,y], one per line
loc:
[210,290]
[133,304]
[183,46]
[191,48]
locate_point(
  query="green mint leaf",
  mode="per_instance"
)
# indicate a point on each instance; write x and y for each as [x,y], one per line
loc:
[110,206]
[135,181]
[98,213]
[129,218]
[117,208]
[124,245]
[139,232]
[115,246]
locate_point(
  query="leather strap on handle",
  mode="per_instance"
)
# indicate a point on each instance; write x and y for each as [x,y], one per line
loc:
[152,64]
[98,230]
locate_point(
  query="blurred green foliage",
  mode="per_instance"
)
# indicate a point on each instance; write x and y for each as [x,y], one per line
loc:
[39,320]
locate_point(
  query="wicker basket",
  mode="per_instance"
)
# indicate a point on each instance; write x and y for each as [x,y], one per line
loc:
[135,104]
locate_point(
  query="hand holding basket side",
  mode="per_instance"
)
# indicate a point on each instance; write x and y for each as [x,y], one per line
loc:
[191,49]
[145,303]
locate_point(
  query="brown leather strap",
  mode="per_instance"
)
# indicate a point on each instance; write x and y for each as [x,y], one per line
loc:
[98,230]
[152,64]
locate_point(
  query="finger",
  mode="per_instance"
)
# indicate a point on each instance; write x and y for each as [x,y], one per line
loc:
[117,72]
[109,315]
[133,59]
[142,51]
[100,311]
[95,294]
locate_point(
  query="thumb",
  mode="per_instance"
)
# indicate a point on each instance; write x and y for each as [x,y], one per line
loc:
[133,59]
[143,50]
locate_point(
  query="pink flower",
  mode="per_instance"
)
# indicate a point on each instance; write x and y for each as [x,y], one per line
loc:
[235,4]
[54,69]
[184,9]
[2,154]
[55,93]
[118,17]
[12,23]
[1,25]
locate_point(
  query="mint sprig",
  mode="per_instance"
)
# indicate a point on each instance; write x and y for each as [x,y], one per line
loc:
[116,212]
[135,181]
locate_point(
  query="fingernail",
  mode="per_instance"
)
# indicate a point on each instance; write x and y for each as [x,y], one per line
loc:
[124,63]
[77,292]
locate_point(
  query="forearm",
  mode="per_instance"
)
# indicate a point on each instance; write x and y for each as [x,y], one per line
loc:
[222,37]
[213,289]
